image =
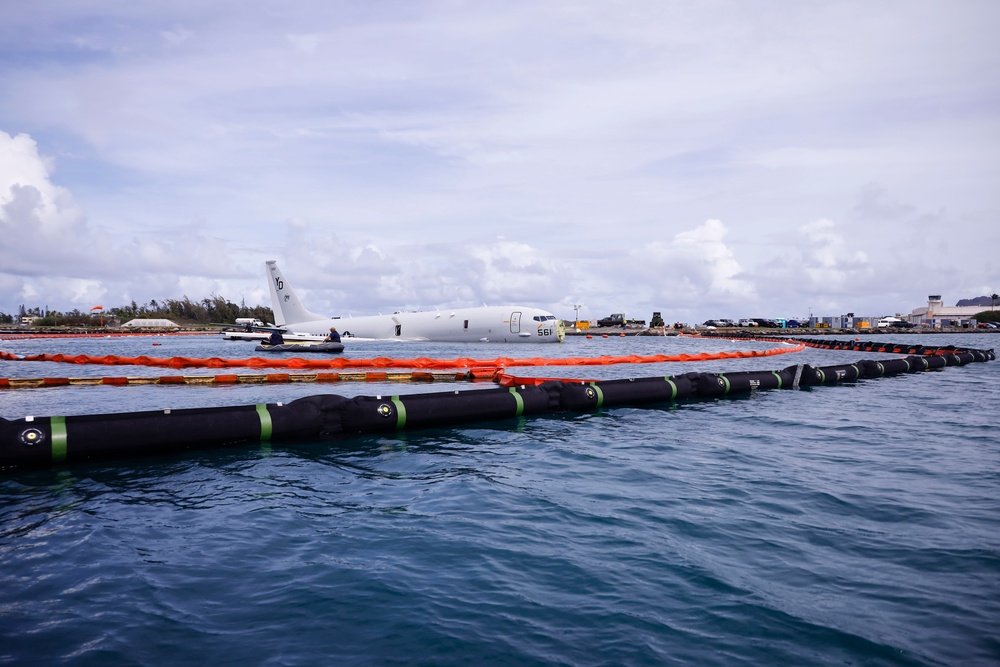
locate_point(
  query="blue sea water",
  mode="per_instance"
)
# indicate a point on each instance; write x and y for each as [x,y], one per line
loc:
[856,524]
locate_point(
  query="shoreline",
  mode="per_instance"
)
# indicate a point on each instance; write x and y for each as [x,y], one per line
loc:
[791,333]
[105,332]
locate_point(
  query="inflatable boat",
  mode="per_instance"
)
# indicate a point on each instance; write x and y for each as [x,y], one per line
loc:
[329,348]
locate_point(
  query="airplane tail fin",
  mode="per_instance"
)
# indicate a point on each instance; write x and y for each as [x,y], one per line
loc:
[287,307]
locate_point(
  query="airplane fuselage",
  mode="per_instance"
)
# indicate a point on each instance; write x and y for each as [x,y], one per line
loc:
[492,324]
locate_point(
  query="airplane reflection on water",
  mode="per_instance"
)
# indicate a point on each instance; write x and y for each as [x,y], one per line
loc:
[486,324]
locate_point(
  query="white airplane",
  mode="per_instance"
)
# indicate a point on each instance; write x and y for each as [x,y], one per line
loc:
[488,324]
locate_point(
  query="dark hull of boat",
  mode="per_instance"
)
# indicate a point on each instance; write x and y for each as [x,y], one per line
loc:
[329,348]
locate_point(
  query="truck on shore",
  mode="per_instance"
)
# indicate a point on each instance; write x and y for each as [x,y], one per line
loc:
[618,320]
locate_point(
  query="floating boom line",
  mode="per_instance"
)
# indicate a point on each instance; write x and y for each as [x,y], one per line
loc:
[386,362]
[58,440]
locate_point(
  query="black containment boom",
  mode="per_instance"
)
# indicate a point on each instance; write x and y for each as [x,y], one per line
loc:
[48,441]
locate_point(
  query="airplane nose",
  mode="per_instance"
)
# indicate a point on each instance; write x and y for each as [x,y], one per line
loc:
[546,328]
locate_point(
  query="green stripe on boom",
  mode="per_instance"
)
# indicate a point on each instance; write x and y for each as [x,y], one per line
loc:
[600,394]
[520,402]
[265,422]
[775,374]
[673,388]
[400,412]
[60,439]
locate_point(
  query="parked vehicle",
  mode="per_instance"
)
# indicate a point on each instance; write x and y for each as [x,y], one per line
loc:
[618,320]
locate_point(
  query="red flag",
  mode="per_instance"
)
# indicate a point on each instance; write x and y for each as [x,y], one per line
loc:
[97,308]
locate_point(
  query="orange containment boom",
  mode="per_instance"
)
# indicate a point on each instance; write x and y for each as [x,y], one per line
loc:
[257,378]
[385,362]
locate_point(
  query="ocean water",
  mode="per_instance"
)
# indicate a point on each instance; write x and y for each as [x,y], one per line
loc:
[856,524]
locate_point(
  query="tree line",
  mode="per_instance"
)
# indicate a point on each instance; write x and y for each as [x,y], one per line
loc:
[991,315]
[184,311]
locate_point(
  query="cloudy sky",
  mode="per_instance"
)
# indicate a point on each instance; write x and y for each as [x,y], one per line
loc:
[718,158]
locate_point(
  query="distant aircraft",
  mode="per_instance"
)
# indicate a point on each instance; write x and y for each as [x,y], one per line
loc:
[488,324]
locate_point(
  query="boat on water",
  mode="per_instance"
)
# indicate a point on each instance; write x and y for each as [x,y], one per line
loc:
[328,348]
[261,334]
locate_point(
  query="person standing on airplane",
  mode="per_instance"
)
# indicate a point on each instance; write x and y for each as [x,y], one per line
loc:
[333,336]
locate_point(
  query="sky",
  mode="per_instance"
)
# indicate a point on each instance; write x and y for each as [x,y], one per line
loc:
[708,159]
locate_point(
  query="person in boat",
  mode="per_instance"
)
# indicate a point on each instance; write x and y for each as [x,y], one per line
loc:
[333,336]
[276,338]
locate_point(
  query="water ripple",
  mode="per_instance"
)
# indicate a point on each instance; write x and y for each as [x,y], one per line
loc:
[840,525]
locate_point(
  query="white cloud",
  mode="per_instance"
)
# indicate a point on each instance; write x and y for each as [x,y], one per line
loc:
[39,222]
[826,260]
[693,271]
[875,206]
[304,43]
[176,36]
[50,252]
[798,157]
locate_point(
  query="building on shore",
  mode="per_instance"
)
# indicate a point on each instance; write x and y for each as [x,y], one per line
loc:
[150,324]
[936,314]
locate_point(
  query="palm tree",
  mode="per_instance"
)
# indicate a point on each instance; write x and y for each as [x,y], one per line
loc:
[994,298]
